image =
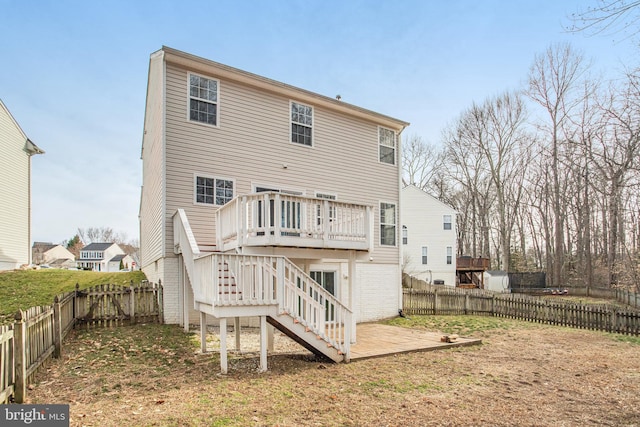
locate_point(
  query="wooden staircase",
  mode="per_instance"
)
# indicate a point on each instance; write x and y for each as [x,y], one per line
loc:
[230,285]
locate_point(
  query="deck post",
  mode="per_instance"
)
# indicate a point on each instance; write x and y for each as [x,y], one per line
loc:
[236,330]
[270,331]
[263,344]
[185,295]
[223,346]
[203,332]
[352,286]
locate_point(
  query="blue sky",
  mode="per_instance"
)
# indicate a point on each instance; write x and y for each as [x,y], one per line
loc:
[73,74]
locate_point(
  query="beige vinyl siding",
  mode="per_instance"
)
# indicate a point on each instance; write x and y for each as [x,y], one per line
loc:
[152,213]
[251,145]
[15,247]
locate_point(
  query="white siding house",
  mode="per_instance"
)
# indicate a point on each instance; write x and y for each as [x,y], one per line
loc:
[104,257]
[15,192]
[49,253]
[428,237]
[247,166]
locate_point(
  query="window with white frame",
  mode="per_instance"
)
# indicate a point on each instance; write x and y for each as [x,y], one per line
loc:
[424,254]
[446,220]
[405,235]
[387,224]
[203,100]
[387,145]
[213,191]
[301,124]
[449,255]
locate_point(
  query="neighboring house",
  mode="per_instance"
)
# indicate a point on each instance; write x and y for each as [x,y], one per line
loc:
[247,173]
[15,192]
[101,257]
[121,262]
[52,255]
[428,237]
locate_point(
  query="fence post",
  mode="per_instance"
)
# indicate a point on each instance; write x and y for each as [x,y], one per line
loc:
[132,304]
[76,310]
[57,328]
[466,303]
[160,302]
[435,302]
[19,352]
[614,320]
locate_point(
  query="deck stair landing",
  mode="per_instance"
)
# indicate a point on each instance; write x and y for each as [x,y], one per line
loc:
[231,285]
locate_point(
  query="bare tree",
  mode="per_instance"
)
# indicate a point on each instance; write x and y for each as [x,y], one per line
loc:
[553,80]
[609,16]
[421,163]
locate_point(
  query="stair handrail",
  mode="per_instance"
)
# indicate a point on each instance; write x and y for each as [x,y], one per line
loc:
[185,243]
[299,298]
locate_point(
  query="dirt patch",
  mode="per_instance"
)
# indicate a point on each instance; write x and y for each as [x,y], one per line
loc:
[523,374]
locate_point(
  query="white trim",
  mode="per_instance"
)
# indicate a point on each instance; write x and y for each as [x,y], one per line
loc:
[217,102]
[397,220]
[313,121]
[395,147]
[215,178]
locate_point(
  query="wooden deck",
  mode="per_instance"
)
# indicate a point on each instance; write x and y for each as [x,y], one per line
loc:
[376,340]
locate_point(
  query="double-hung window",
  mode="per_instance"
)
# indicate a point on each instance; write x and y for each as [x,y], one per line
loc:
[387,145]
[203,100]
[213,191]
[449,255]
[446,221]
[405,235]
[424,255]
[387,224]
[301,124]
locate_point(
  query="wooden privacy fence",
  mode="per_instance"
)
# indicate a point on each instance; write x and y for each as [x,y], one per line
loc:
[522,307]
[38,332]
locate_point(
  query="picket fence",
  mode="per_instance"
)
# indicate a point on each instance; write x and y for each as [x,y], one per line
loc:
[599,317]
[38,332]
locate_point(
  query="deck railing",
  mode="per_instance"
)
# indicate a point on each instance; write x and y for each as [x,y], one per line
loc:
[276,219]
[249,280]
[227,279]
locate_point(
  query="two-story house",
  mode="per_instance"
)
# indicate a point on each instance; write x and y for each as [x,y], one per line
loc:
[263,199]
[46,253]
[428,237]
[15,192]
[107,257]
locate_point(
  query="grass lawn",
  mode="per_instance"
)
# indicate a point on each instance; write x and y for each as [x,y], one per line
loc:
[524,374]
[29,288]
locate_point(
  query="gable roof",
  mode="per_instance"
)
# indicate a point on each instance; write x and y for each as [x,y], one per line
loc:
[413,188]
[118,258]
[203,65]
[43,246]
[97,246]
[29,147]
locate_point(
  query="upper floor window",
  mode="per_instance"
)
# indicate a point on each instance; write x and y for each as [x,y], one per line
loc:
[387,224]
[446,219]
[387,145]
[424,254]
[301,124]
[203,100]
[213,191]
[449,255]
[405,235]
